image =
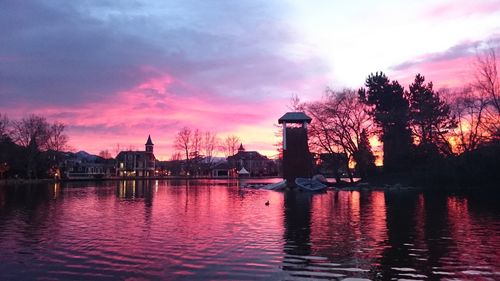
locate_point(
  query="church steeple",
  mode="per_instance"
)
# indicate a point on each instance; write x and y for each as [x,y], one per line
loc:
[149,145]
[241,148]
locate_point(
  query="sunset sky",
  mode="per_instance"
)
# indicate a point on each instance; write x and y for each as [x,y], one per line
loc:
[116,71]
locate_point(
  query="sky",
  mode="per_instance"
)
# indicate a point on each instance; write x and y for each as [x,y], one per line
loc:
[117,71]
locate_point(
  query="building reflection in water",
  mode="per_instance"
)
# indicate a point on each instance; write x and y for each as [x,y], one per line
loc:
[297,222]
[139,190]
[136,189]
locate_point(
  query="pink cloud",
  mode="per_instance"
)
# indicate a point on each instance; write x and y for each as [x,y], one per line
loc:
[463,8]
[128,117]
[449,73]
[451,68]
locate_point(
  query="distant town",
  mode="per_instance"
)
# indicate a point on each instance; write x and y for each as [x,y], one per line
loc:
[143,164]
[32,148]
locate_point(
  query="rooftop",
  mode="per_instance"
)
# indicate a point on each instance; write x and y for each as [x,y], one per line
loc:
[294,117]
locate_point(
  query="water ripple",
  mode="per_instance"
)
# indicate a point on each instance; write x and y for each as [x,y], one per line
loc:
[216,230]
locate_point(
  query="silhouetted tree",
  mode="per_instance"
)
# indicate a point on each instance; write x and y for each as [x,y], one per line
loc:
[295,103]
[4,125]
[183,142]
[117,149]
[338,121]
[230,145]
[35,134]
[468,107]
[365,160]
[34,128]
[57,140]
[209,146]
[430,117]
[487,83]
[196,143]
[390,111]
[105,154]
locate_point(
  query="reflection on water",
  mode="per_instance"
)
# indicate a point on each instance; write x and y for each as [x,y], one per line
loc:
[199,230]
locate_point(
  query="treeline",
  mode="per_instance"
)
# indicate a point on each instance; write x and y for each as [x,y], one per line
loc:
[196,149]
[428,136]
[30,147]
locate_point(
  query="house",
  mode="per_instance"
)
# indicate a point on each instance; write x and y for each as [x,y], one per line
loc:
[222,170]
[137,163]
[252,162]
[81,169]
[82,165]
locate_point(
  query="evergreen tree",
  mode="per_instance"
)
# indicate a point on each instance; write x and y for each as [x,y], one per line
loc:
[365,161]
[390,111]
[430,117]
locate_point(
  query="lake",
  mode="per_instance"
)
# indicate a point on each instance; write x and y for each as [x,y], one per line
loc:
[218,230]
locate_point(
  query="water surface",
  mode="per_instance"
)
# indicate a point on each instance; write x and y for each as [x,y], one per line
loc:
[217,230]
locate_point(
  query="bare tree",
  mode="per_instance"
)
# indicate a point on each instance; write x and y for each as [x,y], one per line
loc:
[209,145]
[4,125]
[295,103]
[196,143]
[31,130]
[117,149]
[487,78]
[487,83]
[33,133]
[57,140]
[468,108]
[339,122]
[183,142]
[176,156]
[105,154]
[230,145]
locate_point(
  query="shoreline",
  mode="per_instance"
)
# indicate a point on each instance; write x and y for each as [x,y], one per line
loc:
[386,184]
[38,181]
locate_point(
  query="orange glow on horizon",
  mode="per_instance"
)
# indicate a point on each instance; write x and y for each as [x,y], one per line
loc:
[377,150]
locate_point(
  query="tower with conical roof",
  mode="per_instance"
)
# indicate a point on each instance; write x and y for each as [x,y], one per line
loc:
[149,145]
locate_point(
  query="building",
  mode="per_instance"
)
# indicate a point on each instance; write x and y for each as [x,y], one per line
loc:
[222,170]
[81,169]
[137,163]
[253,162]
[82,165]
[297,160]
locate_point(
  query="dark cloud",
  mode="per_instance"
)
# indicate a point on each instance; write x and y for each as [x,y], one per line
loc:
[69,52]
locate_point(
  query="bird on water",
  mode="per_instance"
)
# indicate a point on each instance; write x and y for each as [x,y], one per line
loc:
[267,203]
